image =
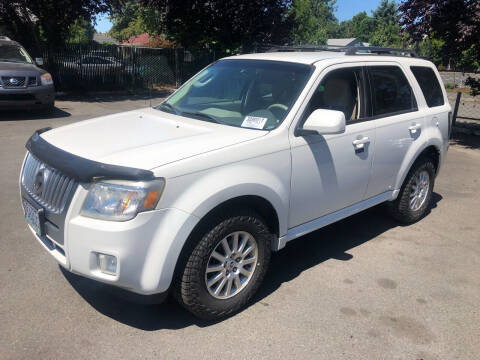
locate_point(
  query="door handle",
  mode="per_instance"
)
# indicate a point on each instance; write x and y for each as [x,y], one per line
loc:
[359,144]
[413,129]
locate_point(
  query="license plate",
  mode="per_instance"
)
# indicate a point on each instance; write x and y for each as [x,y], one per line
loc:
[34,217]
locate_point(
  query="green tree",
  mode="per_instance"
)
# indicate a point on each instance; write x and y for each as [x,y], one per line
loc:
[224,24]
[387,25]
[456,22]
[313,21]
[31,21]
[432,49]
[132,18]
[81,32]
[361,26]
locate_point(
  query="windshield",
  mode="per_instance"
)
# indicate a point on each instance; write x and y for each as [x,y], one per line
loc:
[14,53]
[256,94]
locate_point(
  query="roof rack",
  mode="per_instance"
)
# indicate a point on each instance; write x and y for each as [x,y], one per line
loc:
[348,50]
[278,48]
[378,50]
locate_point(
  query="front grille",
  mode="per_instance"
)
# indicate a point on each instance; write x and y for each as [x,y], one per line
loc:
[13,81]
[49,187]
[32,81]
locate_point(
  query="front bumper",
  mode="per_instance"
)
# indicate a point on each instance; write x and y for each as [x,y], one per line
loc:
[146,247]
[27,97]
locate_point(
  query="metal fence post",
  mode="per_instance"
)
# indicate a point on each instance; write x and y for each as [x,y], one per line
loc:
[177,69]
[455,110]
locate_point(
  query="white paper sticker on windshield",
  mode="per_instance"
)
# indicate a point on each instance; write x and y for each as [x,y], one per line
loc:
[254,122]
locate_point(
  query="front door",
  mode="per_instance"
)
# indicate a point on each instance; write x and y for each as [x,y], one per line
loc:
[331,172]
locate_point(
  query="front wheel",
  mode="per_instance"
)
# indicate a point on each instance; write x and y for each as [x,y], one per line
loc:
[226,267]
[415,195]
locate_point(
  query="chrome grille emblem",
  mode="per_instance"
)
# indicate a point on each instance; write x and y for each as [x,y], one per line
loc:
[40,180]
[13,81]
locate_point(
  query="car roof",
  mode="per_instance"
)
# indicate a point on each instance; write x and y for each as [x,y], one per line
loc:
[311,57]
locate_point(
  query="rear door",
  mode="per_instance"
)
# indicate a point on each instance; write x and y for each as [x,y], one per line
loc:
[437,111]
[397,120]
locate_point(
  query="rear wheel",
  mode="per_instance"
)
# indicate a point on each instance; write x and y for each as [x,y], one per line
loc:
[226,266]
[415,195]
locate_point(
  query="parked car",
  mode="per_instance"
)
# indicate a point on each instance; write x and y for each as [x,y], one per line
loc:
[98,64]
[192,196]
[23,84]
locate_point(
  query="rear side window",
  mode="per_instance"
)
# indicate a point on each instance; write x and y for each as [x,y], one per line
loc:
[429,84]
[391,92]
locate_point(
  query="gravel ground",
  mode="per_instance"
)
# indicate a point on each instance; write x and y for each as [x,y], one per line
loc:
[364,288]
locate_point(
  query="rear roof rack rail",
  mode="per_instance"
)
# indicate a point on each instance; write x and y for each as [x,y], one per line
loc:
[378,50]
[348,50]
[278,48]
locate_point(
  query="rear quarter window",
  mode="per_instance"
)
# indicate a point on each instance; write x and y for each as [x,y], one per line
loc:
[391,91]
[431,88]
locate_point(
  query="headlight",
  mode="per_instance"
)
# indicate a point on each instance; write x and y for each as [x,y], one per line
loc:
[121,200]
[46,79]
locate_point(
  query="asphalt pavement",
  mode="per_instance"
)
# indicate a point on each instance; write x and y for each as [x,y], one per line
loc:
[364,288]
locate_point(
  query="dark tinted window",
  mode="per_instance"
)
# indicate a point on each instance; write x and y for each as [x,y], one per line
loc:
[429,84]
[391,91]
[340,90]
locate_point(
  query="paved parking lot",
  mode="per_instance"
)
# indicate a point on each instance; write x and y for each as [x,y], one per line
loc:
[364,288]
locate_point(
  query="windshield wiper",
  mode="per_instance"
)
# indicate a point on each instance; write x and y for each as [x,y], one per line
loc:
[205,116]
[170,107]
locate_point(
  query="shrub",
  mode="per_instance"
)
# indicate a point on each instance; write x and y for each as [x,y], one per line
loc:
[474,85]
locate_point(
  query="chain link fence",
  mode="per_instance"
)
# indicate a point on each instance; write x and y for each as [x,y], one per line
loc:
[95,67]
[466,106]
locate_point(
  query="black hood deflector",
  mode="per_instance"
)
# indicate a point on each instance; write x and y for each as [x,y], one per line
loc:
[81,169]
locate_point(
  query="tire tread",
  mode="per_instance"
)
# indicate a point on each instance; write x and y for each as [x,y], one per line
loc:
[186,288]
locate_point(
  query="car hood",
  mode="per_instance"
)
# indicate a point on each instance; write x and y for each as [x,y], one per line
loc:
[146,138]
[5,65]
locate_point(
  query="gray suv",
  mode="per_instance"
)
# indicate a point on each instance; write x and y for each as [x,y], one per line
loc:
[23,85]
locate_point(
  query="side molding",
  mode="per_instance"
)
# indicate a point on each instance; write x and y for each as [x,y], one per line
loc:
[316,224]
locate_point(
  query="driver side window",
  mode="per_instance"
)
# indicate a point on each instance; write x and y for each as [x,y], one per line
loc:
[341,90]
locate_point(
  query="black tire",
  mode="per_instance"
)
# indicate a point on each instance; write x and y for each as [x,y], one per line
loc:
[400,208]
[189,287]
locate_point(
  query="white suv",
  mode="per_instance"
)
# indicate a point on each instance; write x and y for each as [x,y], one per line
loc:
[192,196]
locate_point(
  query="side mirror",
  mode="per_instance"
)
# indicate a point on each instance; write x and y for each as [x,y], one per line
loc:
[324,121]
[39,61]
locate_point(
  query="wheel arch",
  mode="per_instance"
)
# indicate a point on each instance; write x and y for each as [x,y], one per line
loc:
[430,150]
[256,203]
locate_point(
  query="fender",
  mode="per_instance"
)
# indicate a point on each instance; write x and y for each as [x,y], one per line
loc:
[200,193]
[413,154]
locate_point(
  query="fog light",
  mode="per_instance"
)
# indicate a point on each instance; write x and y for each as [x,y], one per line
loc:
[107,264]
